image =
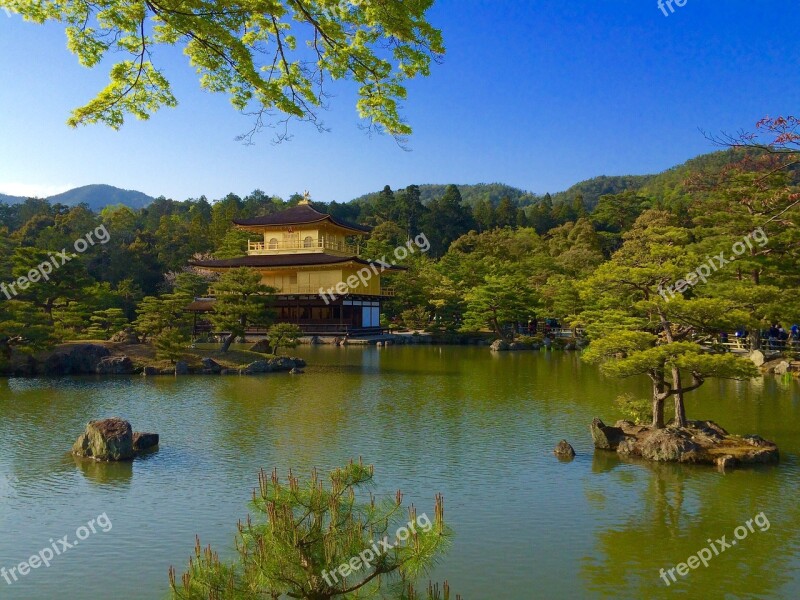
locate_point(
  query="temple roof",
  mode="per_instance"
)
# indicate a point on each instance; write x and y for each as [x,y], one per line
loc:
[302,214]
[287,260]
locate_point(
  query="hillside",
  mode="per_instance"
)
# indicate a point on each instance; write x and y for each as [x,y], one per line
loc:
[470,194]
[592,189]
[667,185]
[96,196]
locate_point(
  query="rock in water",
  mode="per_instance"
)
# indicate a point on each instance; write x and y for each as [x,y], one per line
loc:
[144,441]
[109,439]
[564,450]
[605,437]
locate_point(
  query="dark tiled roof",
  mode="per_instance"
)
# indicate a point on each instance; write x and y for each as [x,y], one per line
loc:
[301,214]
[287,260]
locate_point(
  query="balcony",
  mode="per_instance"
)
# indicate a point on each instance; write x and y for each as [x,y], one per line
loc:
[388,292]
[300,246]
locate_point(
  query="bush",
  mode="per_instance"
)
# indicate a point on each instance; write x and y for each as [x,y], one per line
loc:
[635,409]
[171,345]
[415,318]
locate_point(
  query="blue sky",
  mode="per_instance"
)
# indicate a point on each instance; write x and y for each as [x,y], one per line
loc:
[539,94]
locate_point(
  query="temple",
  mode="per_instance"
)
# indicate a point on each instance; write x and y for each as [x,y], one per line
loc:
[306,255]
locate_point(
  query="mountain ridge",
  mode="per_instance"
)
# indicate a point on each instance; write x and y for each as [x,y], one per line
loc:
[668,181]
[97,196]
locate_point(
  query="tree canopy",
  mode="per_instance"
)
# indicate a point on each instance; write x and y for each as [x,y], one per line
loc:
[273,58]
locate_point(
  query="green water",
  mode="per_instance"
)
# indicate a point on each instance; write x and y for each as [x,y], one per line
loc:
[477,427]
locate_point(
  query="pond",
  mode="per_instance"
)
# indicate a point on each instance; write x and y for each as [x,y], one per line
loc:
[477,427]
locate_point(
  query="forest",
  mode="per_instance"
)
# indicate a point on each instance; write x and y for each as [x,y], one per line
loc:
[583,256]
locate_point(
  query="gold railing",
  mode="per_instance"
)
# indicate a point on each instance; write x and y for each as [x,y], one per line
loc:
[269,248]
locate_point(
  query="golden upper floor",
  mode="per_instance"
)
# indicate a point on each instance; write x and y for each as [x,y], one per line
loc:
[302,230]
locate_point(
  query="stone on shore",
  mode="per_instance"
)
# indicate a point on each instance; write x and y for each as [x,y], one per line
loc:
[257,368]
[781,368]
[499,346]
[262,347]
[605,437]
[127,336]
[757,356]
[277,364]
[76,359]
[181,368]
[699,442]
[115,365]
[210,366]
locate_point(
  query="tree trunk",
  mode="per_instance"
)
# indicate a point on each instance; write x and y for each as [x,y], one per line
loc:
[659,395]
[497,329]
[755,340]
[680,410]
[226,345]
[658,409]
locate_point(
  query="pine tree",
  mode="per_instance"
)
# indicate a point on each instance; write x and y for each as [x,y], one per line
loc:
[241,301]
[284,335]
[307,534]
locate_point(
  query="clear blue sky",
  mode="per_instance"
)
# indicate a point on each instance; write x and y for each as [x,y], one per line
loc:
[538,94]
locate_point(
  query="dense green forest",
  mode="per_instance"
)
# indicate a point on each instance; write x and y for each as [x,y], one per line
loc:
[495,258]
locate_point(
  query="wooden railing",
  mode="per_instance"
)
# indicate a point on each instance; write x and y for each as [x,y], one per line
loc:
[316,244]
[310,290]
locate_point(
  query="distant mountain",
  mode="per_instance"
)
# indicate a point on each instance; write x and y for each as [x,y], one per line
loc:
[96,196]
[100,196]
[11,199]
